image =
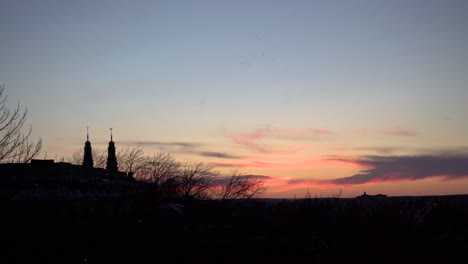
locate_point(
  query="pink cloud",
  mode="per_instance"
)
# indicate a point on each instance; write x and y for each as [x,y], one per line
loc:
[399,131]
[251,140]
[279,133]
[375,170]
[245,164]
[248,138]
[405,168]
[288,163]
[279,184]
[298,134]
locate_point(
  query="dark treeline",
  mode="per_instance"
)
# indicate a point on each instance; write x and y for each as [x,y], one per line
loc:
[313,230]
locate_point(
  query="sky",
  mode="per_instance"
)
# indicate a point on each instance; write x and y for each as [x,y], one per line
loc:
[318,96]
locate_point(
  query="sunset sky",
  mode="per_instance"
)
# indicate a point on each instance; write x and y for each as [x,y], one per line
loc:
[319,95]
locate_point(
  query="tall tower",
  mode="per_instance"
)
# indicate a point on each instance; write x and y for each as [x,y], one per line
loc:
[111,166]
[88,152]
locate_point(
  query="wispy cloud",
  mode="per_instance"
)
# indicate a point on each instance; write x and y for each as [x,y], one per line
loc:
[183,147]
[251,140]
[279,133]
[398,168]
[381,150]
[399,131]
[287,163]
[454,151]
[214,154]
[246,164]
[163,145]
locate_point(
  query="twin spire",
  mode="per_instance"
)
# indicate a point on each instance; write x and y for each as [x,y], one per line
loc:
[87,134]
[88,152]
[111,165]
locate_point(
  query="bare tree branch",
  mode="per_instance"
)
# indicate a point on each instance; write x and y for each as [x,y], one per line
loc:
[131,159]
[14,144]
[240,186]
[195,180]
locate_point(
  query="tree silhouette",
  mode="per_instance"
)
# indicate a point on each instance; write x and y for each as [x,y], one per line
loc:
[14,143]
[174,180]
[241,186]
[159,168]
[131,159]
[195,180]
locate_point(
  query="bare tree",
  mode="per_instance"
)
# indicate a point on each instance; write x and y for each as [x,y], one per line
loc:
[100,158]
[76,157]
[159,168]
[195,180]
[14,143]
[337,194]
[241,186]
[131,159]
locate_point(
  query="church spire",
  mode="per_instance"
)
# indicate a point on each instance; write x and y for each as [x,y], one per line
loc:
[111,165]
[88,152]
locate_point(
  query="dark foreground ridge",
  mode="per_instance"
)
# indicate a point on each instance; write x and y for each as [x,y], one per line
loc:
[136,228]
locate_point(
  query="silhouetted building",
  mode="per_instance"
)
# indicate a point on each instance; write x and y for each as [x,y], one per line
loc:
[46,172]
[46,179]
[88,153]
[372,200]
[111,165]
[366,196]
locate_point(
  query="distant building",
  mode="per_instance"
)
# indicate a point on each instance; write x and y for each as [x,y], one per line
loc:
[367,196]
[111,165]
[88,153]
[50,174]
[371,200]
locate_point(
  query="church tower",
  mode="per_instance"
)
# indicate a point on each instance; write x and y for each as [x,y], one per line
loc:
[111,166]
[88,152]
